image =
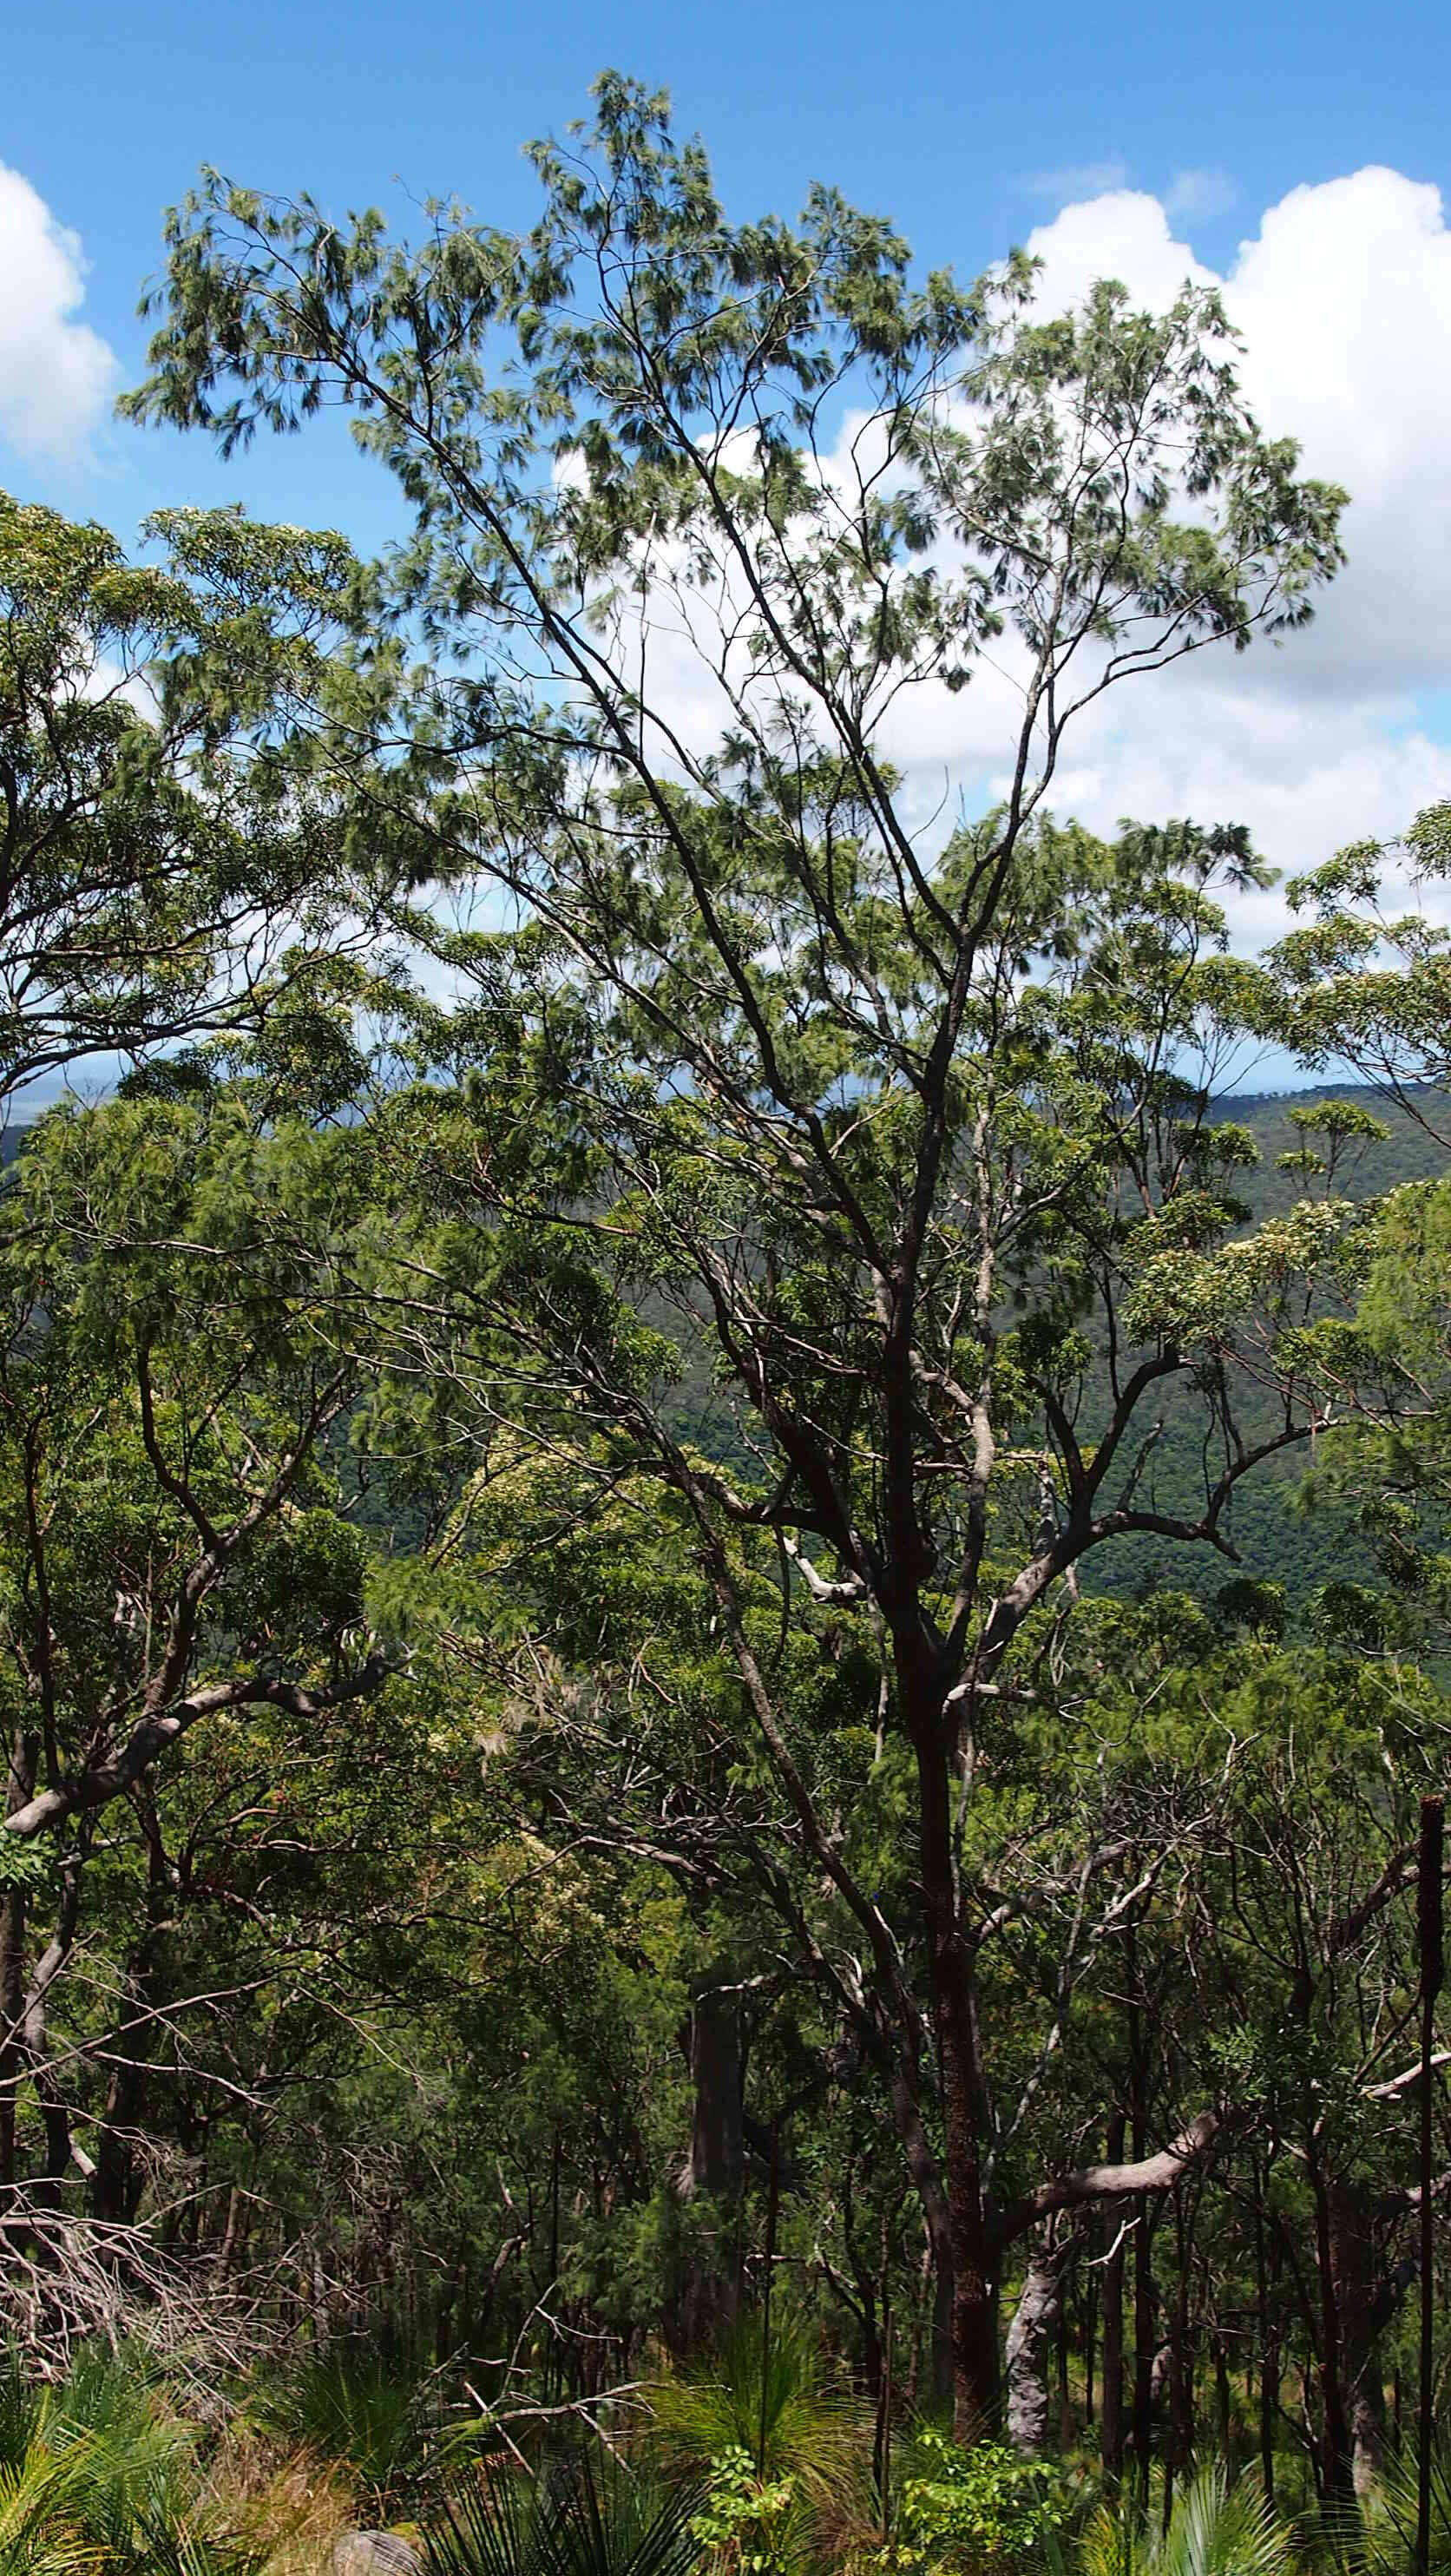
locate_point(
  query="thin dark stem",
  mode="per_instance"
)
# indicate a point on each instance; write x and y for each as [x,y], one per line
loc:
[1429,1927]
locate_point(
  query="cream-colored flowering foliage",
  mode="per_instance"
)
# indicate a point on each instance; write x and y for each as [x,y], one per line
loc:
[1201,1300]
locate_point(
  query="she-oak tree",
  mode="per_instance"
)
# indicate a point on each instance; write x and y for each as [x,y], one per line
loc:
[880,1125]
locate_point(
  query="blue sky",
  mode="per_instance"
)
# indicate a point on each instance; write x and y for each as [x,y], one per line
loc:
[1302,159]
[964,124]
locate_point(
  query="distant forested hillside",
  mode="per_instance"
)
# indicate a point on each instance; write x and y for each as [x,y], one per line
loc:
[1279,1540]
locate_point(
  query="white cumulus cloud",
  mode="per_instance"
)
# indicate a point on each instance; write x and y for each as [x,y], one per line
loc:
[55,371]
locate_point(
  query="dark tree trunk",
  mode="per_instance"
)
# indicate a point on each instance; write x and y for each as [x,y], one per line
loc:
[707,2304]
[1180,2447]
[1353,2262]
[50,2093]
[1145,2339]
[1111,2419]
[932,2197]
[1223,2400]
[1266,2283]
[974,2301]
[717,2134]
[1337,2472]
[1145,2347]
[20,1786]
[119,2177]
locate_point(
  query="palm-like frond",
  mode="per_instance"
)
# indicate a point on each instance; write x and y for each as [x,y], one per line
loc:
[41,2530]
[379,2422]
[24,2404]
[491,2530]
[573,2520]
[171,2545]
[1216,2528]
[1388,2540]
[814,2432]
[613,2524]
[98,2478]
[1220,2528]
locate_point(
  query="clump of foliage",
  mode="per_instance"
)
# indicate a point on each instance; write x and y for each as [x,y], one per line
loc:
[980,2508]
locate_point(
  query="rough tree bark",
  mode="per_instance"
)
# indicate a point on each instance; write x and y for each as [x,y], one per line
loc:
[1350,2220]
[974,2294]
[117,2183]
[1032,2336]
[715,2168]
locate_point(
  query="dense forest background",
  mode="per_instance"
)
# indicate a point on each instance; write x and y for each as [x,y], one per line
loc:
[724,1595]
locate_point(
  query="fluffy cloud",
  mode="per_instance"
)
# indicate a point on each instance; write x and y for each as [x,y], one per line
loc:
[54,371]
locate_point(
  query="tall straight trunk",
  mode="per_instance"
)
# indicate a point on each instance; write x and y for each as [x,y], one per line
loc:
[707,2305]
[1337,2472]
[923,2307]
[1145,2345]
[940,2355]
[1145,2348]
[50,2093]
[1223,2400]
[974,2302]
[1269,2339]
[117,2183]
[1353,2258]
[903,2073]
[1180,2447]
[1111,2412]
[873,2351]
[20,1786]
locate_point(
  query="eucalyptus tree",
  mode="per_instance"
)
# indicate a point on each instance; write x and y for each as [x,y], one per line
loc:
[162,870]
[704,514]
[1364,978]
